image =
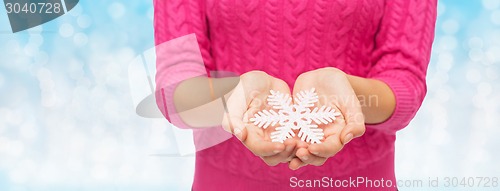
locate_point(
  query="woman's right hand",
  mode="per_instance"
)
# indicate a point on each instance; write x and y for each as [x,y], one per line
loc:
[249,97]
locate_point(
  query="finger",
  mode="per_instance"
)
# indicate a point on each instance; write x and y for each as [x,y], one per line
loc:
[304,82]
[257,104]
[235,107]
[254,106]
[260,147]
[284,156]
[328,148]
[296,163]
[271,160]
[301,144]
[245,122]
[265,148]
[298,144]
[308,158]
[290,145]
[240,131]
[355,127]
[354,119]
[280,85]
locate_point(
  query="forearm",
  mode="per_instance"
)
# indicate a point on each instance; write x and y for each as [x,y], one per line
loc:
[200,100]
[376,98]
[195,92]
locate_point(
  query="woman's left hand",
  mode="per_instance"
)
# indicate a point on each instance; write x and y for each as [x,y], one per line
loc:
[334,90]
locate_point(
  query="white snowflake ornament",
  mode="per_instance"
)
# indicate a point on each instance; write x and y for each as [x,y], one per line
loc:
[297,116]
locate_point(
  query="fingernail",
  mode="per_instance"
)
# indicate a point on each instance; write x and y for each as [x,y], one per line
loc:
[276,151]
[348,138]
[315,153]
[237,131]
[305,158]
[289,148]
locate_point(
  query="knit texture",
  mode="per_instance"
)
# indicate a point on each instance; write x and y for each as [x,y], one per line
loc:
[388,40]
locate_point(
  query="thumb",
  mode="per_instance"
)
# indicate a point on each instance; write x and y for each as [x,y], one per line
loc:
[355,127]
[235,107]
[234,125]
[238,128]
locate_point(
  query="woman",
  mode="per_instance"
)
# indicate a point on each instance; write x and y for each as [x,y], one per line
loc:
[367,59]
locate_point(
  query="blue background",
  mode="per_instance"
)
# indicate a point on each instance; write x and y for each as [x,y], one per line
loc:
[68,122]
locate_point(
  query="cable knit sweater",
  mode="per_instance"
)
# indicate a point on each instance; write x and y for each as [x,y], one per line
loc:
[388,40]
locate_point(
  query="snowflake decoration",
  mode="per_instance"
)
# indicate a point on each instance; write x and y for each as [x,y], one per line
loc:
[297,116]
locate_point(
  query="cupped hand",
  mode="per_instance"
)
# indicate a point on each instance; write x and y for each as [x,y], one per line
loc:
[249,97]
[334,90]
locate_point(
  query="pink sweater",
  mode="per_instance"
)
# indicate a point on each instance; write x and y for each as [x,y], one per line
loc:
[389,40]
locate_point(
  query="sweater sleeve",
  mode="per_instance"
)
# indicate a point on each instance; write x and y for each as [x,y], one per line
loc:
[401,56]
[182,49]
